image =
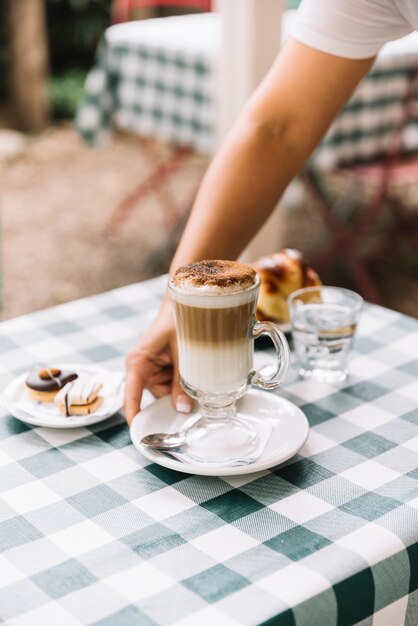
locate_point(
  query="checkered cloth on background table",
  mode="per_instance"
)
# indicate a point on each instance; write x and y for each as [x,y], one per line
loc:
[91,532]
[155,78]
[147,83]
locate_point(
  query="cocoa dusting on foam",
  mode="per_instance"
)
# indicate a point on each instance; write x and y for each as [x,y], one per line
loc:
[215,277]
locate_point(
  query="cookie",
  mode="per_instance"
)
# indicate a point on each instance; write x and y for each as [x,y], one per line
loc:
[79,397]
[81,409]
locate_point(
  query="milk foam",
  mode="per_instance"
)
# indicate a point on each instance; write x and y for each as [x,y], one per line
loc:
[207,293]
[200,299]
[214,277]
[188,286]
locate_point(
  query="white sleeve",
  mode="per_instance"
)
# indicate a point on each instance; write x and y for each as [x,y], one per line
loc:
[354,29]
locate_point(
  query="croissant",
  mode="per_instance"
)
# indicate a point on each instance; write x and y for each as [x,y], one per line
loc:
[281,273]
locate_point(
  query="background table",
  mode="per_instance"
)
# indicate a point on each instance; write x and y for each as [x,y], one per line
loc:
[91,532]
[158,77]
[155,78]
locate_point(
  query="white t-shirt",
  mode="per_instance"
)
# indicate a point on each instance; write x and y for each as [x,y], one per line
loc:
[356,29]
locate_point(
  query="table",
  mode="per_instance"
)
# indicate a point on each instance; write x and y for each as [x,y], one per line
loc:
[155,78]
[158,77]
[93,533]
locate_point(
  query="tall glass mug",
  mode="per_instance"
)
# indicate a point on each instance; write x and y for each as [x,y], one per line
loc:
[215,304]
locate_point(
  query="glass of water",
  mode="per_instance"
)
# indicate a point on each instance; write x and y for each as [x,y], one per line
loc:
[324,320]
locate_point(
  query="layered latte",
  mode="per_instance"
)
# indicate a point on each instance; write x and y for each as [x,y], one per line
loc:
[215,304]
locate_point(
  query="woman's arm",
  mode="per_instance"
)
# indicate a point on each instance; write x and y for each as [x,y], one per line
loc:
[276,132]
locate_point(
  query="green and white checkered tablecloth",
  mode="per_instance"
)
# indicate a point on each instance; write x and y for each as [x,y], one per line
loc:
[91,532]
[158,78]
[155,78]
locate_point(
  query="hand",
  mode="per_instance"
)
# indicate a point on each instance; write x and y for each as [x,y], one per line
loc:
[153,365]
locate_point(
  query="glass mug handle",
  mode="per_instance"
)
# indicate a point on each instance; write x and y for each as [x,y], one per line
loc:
[282,351]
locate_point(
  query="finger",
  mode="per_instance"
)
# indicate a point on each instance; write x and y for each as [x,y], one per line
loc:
[160,390]
[181,401]
[163,376]
[134,385]
[160,383]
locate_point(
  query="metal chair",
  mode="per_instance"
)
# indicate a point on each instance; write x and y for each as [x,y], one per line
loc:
[165,35]
[355,220]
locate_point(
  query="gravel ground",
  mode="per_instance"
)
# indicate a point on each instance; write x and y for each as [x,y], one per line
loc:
[56,199]
[58,194]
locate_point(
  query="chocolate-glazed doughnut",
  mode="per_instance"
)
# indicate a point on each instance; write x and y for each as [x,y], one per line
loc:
[44,383]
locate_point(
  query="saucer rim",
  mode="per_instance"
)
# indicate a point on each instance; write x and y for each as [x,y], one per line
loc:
[204,470]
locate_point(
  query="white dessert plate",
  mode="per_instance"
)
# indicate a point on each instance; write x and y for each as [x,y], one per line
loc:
[289,432]
[19,404]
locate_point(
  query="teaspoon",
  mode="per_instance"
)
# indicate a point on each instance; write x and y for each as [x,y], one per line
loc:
[164,441]
[169,441]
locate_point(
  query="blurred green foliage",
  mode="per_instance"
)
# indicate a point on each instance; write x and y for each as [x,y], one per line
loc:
[66,92]
[74,29]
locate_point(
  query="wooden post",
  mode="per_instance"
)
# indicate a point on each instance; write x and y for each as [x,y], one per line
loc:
[29,63]
[251,41]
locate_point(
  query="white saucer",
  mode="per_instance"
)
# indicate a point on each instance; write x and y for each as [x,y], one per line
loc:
[289,432]
[47,414]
